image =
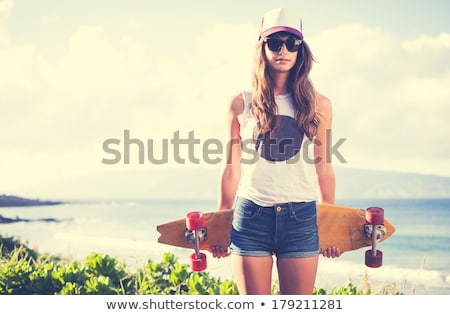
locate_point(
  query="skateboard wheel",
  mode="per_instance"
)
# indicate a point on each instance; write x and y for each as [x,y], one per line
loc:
[195,221]
[375,215]
[198,264]
[374,261]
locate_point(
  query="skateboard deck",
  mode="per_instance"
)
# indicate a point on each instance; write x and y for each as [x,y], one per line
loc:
[339,226]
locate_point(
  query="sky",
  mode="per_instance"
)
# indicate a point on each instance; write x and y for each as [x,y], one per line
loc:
[79,77]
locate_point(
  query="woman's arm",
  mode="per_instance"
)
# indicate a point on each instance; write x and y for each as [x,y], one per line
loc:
[324,168]
[231,172]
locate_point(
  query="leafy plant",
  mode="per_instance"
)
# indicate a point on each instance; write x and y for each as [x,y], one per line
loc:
[170,277]
[106,275]
[9,244]
[23,271]
[15,273]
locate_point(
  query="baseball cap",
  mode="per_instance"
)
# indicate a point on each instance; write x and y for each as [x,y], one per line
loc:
[281,20]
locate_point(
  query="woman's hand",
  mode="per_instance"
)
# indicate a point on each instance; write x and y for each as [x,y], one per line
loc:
[219,252]
[332,252]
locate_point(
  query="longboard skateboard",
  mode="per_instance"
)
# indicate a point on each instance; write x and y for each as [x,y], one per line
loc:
[344,227]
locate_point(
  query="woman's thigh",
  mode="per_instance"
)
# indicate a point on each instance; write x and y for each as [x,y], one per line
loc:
[297,275]
[253,275]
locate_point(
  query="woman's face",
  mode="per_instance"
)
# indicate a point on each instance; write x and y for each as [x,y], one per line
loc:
[281,51]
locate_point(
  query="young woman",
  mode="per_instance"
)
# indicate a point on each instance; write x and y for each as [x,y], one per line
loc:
[278,140]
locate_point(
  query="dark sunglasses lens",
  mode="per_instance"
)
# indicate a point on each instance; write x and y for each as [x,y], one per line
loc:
[274,44]
[291,45]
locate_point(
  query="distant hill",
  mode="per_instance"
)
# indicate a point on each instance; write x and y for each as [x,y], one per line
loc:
[14,201]
[202,183]
[357,183]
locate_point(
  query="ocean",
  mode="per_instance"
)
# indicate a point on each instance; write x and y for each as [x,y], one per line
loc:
[416,259]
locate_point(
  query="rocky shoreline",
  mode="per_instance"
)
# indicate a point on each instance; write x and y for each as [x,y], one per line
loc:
[5,220]
[14,201]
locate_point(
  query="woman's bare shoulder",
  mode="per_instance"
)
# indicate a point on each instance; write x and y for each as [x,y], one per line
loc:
[323,103]
[237,104]
[323,109]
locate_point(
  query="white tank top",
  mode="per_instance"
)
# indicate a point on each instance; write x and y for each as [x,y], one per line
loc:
[280,169]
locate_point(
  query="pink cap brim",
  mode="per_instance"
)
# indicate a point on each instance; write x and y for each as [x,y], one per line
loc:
[277,29]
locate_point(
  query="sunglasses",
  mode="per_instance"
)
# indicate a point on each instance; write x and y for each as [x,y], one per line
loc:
[274,44]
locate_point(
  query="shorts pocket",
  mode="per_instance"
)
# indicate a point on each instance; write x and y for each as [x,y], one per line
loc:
[304,212]
[245,209]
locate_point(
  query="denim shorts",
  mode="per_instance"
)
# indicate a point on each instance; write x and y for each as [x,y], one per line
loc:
[287,230]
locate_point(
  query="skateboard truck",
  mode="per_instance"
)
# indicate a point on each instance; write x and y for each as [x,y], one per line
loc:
[191,236]
[375,230]
[195,233]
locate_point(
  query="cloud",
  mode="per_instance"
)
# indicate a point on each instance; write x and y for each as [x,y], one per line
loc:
[6,7]
[59,112]
[50,20]
[389,95]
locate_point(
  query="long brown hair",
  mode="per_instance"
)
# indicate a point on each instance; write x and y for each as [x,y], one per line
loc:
[264,107]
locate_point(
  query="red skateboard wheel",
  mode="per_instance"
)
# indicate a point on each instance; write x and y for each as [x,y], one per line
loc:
[374,261]
[198,264]
[195,221]
[375,215]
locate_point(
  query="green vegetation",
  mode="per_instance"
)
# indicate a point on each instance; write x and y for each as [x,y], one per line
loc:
[24,271]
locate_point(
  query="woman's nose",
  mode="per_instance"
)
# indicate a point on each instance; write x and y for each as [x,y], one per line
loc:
[283,49]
